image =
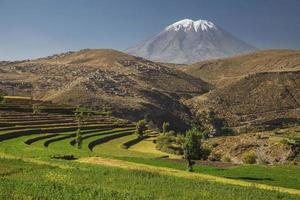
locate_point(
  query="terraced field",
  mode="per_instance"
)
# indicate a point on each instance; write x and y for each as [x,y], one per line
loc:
[55,134]
[110,142]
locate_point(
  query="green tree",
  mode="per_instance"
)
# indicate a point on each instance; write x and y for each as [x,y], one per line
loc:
[141,128]
[166,127]
[79,118]
[80,115]
[191,147]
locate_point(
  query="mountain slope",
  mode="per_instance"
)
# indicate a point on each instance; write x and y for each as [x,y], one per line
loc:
[226,71]
[129,86]
[269,98]
[188,41]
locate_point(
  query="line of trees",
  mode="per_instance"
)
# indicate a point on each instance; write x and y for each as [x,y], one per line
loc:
[189,144]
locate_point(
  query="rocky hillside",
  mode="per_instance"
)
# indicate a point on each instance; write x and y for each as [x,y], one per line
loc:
[226,71]
[269,98]
[129,86]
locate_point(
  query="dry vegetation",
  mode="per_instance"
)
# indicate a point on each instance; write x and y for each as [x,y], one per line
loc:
[261,99]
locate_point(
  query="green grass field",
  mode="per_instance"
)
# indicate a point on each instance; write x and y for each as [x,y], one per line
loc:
[70,180]
[28,171]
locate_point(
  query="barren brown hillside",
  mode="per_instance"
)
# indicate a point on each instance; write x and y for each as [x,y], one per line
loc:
[269,98]
[129,86]
[223,72]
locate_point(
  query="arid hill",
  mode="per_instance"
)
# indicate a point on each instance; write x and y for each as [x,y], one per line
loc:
[129,86]
[268,98]
[223,72]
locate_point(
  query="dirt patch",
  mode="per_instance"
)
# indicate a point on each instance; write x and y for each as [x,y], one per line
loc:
[218,164]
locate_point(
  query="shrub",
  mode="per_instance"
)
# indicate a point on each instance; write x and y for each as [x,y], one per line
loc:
[205,152]
[243,130]
[214,156]
[249,158]
[215,144]
[205,134]
[227,131]
[170,142]
[263,161]
[226,159]
[166,127]
[258,137]
[284,141]
[277,131]
[141,128]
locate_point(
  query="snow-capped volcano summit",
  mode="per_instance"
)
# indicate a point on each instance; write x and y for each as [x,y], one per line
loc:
[188,41]
[188,24]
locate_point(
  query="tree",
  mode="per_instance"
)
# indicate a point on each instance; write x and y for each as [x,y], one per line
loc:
[166,127]
[191,147]
[80,115]
[78,138]
[141,128]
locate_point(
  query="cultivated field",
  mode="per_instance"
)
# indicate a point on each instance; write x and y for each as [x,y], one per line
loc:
[114,164]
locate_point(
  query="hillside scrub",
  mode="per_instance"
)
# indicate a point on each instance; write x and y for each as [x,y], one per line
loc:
[141,128]
[166,127]
[170,142]
[249,158]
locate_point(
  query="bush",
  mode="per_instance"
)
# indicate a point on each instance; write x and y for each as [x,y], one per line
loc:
[214,156]
[258,137]
[215,144]
[205,134]
[284,141]
[249,158]
[263,161]
[226,159]
[141,128]
[166,127]
[205,152]
[227,131]
[277,131]
[169,142]
[243,130]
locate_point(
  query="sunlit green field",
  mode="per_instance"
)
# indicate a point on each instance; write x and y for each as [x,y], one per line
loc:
[29,171]
[70,180]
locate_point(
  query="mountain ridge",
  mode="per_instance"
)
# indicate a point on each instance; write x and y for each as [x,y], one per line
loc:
[221,72]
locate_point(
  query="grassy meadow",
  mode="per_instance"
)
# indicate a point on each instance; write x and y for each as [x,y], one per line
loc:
[28,169]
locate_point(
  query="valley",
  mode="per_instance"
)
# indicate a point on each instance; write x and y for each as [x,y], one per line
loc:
[149,100]
[249,124]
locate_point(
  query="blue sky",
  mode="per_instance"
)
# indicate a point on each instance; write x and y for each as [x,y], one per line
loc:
[35,28]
